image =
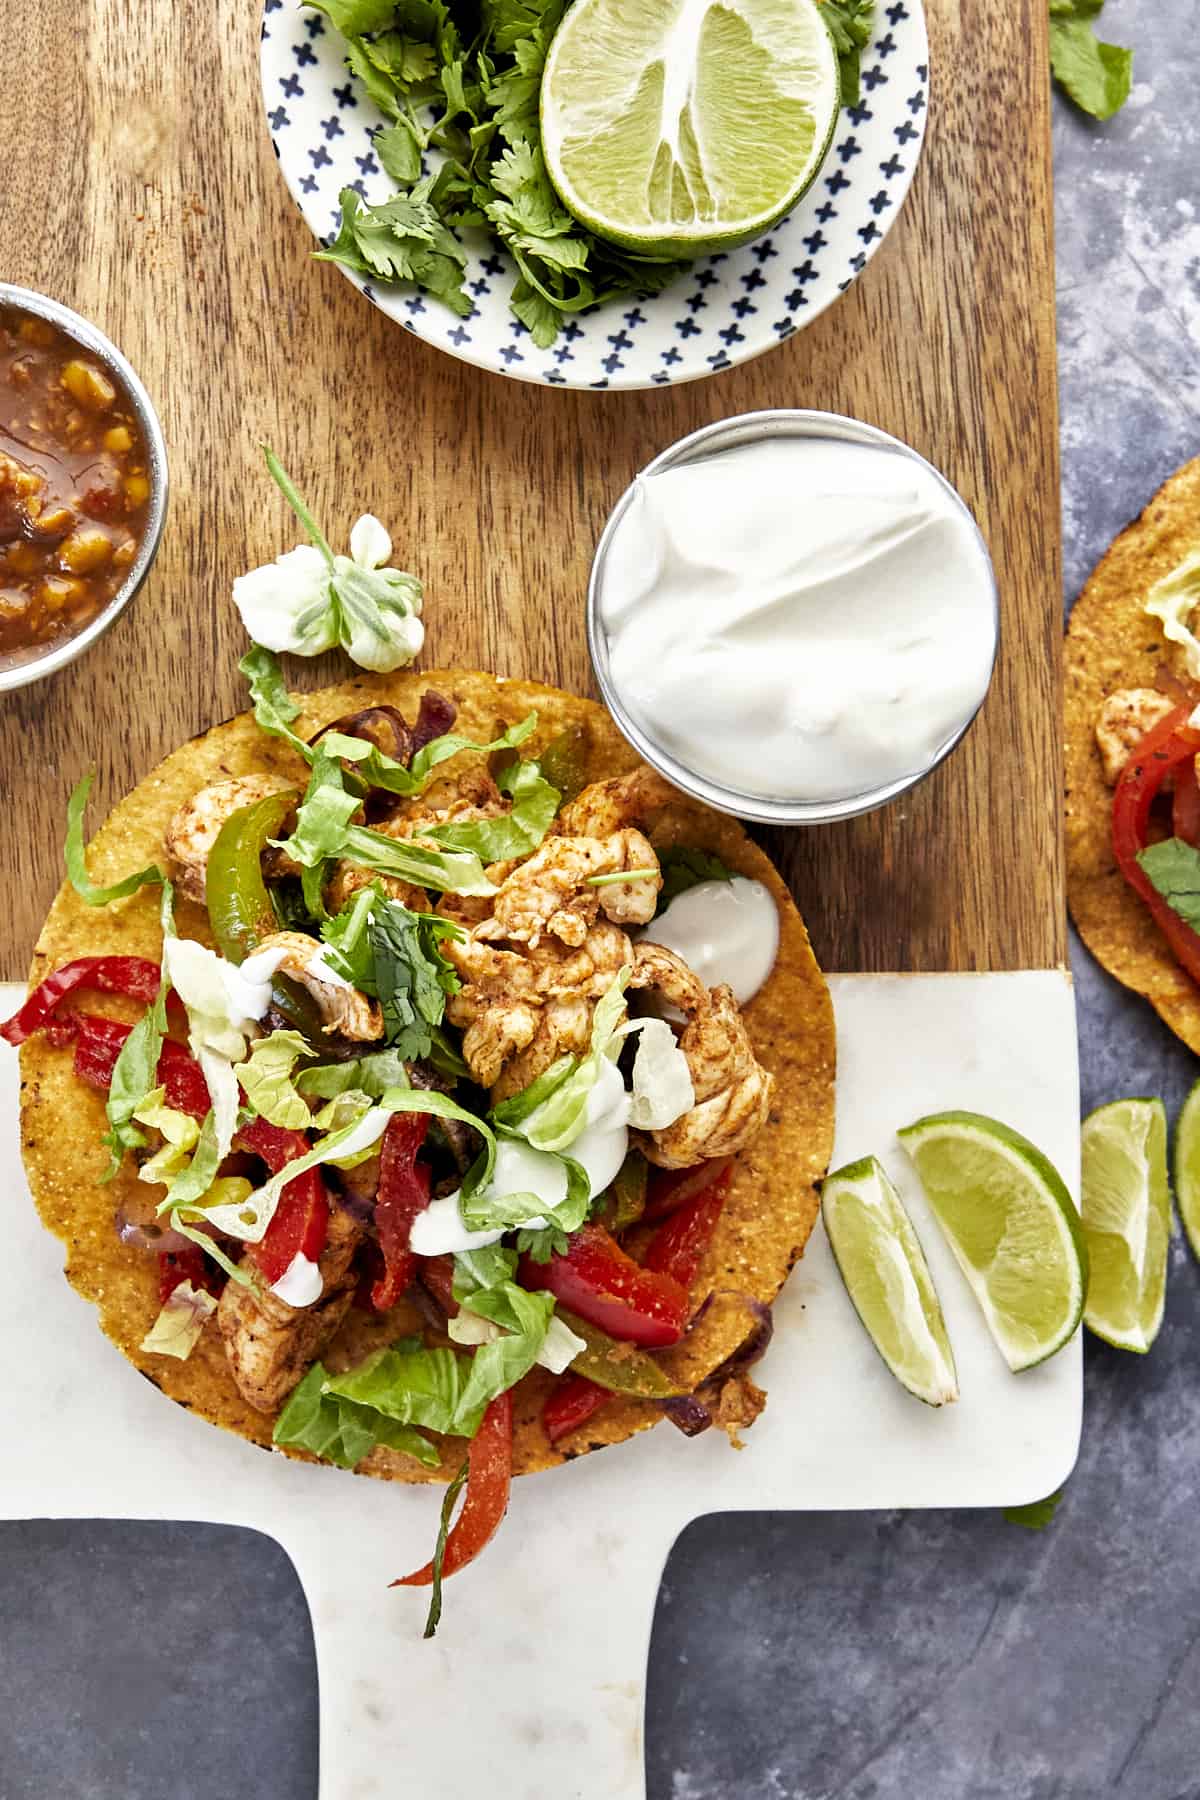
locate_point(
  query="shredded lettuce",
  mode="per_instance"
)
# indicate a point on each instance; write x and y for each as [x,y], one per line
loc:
[373,1074]
[506,1202]
[491,1304]
[442,1390]
[136,1069]
[324,830]
[558,1121]
[341,1432]
[250,1220]
[274,708]
[184,1314]
[266,1079]
[513,834]
[1173,601]
[179,1130]
[514,1111]
[75,856]
[661,1080]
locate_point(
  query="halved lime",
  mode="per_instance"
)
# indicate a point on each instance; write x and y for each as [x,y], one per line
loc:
[1126,1220]
[1187,1167]
[887,1278]
[684,127]
[1012,1227]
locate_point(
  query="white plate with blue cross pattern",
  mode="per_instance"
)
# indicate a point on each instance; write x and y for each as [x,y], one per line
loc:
[721,311]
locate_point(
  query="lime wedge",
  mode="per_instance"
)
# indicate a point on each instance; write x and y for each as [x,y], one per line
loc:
[1012,1227]
[1187,1167]
[886,1276]
[685,127]
[1126,1220]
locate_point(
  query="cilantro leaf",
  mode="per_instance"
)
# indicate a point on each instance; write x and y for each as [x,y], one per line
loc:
[1174,869]
[851,26]
[1037,1514]
[1096,75]
[411,976]
[541,1245]
[684,866]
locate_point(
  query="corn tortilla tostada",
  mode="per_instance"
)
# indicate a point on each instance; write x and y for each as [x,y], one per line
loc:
[751,1186]
[1131,792]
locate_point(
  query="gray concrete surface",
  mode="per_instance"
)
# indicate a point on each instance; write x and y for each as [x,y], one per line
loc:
[935,1656]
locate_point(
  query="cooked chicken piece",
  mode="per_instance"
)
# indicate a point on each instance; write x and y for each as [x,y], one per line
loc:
[269,1344]
[548,894]
[1123,722]
[342,1008]
[521,1008]
[195,827]
[606,806]
[348,877]
[733,1090]
[449,799]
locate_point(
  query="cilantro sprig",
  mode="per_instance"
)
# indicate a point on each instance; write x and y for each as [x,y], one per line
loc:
[474,101]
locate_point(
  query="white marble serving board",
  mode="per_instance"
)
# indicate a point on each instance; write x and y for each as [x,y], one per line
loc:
[541,1656]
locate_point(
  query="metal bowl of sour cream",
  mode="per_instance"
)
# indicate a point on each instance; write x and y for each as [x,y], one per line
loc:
[792,616]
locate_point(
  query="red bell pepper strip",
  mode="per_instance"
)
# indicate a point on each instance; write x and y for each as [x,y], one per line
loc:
[300,1226]
[489,1478]
[98,1043]
[437,1274]
[403,1193]
[678,1246]
[608,1289]
[673,1188]
[1185,805]
[177,1266]
[573,1402]
[1171,744]
[134,976]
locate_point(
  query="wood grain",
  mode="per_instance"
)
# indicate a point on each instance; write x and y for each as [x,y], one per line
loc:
[140,188]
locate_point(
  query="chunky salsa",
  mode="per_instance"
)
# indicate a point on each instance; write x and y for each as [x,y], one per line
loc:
[74,485]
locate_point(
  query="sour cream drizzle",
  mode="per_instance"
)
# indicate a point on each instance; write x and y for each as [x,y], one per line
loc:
[520,1169]
[726,931]
[798,619]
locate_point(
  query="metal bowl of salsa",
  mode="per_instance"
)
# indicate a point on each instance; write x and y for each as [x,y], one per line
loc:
[83,485]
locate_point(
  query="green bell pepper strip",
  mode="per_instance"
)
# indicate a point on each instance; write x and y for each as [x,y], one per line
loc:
[620,1368]
[239,906]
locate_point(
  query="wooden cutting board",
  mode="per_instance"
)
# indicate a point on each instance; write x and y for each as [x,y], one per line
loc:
[140,188]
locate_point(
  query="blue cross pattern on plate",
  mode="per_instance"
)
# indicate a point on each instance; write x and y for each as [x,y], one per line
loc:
[725,310]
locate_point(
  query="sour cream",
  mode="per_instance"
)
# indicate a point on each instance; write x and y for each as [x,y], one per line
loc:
[300,1284]
[800,619]
[520,1169]
[726,931]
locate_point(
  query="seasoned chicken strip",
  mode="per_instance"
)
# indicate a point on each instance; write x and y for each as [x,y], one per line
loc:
[342,1008]
[1123,722]
[269,1345]
[606,806]
[549,893]
[196,826]
[733,1090]
[523,1007]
